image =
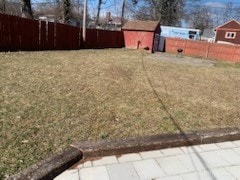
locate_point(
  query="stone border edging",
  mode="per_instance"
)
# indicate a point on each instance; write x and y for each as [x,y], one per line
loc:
[50,167]
[138,144]
[59,162]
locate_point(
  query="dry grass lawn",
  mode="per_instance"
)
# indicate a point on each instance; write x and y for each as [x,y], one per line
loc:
[50,99]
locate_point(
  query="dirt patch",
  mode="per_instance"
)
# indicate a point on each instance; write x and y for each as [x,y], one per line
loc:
[178,59]
[119,72]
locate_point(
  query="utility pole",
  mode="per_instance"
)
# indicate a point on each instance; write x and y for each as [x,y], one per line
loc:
[84,20]
[122,15]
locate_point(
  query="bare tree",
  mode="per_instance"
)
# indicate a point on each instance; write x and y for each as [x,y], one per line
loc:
[2,6]
[167,11]
[27,9]
[123,11]
[230,11]
[66,11]
[57,9]
[100,2]
[125,5]
[200,17]
[209,17]
[237,13]
[216,17]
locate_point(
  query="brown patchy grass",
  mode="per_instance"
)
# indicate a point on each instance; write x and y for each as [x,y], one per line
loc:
[50,99]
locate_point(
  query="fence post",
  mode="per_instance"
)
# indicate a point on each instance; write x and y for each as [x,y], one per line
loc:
[184,46]
[98,46]
[235,54]
[208,48]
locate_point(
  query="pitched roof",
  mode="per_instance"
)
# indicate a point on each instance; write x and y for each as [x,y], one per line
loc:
[141,25]
[208,33]
[232,24]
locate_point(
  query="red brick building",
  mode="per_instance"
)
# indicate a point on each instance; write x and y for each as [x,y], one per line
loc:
[141,34]
[228,32]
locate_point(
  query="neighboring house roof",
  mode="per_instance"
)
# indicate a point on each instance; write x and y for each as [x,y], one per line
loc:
[116,20]
[141,25]
[179,28]
[208,33]
[113,20]
[233,24]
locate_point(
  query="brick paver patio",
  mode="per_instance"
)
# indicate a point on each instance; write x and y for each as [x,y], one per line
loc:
[208,161]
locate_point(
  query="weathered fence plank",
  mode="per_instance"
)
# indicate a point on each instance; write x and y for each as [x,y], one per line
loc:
[51,36]
[25,34]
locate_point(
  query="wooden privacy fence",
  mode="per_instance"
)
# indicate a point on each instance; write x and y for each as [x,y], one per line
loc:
[96,38]
[59,36]
[24,34]
[204,49]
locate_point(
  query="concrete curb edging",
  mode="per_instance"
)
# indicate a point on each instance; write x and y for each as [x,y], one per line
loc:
[50,167]
[138,144]
[59,162]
